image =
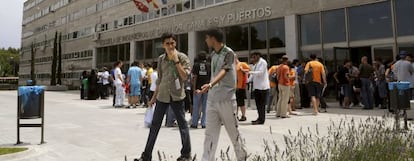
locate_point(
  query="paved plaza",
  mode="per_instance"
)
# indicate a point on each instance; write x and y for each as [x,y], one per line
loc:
[80,130]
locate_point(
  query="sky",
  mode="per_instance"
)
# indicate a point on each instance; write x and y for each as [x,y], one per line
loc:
[11,12]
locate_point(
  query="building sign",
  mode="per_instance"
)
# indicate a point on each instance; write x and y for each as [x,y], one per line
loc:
[240,16]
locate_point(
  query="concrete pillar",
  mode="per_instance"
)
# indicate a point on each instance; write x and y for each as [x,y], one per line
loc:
[192,46]
[292,35]
[94,56]
[132,49]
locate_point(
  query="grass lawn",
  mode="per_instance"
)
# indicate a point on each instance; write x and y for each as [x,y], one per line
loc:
[4,151]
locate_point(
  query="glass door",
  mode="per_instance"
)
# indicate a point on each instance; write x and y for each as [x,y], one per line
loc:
[384,52]
[340,55]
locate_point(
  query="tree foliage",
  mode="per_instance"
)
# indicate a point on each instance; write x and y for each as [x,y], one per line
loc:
[9,61]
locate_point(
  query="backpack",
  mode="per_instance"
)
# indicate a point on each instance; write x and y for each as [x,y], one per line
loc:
[273,78]
[309,74]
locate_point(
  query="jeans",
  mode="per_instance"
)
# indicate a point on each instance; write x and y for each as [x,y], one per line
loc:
[272,99]
[199,99]
[170,118]
[160,110]
[260,96]
[367,93]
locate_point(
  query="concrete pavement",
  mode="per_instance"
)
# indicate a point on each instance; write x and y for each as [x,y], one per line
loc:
[93,130]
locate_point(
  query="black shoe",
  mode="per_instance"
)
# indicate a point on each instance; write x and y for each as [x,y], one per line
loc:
[193,127]
[184,158]
[203,127]
[258,123]
[243,118]
[143,158]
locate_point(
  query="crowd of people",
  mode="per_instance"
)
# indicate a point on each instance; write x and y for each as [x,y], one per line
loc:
[215,89]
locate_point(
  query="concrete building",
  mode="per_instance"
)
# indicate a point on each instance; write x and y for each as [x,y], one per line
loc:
[97,33]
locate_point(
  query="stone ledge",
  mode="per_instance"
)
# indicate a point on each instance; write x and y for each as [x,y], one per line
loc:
[56,88]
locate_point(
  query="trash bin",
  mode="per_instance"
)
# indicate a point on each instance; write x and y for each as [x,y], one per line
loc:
[400,95]
[30,101]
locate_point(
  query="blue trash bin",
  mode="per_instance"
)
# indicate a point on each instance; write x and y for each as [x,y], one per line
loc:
[400,95]
[30,101]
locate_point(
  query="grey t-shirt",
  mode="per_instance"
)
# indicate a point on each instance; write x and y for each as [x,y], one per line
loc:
[403,70]
[225,89]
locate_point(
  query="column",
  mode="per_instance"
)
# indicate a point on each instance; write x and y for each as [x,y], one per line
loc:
[192,46]
[94,56]
[132,49]
[291,32]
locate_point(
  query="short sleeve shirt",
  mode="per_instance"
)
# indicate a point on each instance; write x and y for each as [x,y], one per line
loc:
[272,70]
[202,70]
[225,89]
[317,70]
[282,71]
[117,74]
[167,75]
[241,76]
[135,74]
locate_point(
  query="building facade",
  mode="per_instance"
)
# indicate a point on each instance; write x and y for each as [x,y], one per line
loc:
[97,33]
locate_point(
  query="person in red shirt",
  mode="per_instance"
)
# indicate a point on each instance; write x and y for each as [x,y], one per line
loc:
[242,69]
[284,88]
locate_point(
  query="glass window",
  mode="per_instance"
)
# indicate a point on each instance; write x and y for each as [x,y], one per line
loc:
[276,33]
[310,29]
[334,28]
[127,51]
[258,35]
[274,58]
[158,48]
[122,52]
[183,43]
[404,12]
[370,21]
[105,52]
[113,53]
[148,49]
[199,3]
[139,54]
[237,37]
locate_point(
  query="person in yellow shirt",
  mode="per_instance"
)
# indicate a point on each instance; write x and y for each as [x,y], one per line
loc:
[316,81]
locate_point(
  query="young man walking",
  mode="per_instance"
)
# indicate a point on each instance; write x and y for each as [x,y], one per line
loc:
[173,69]
[317,80]
[221,103]
[201,75]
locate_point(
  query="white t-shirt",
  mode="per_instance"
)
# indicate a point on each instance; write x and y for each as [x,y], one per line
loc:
[117,73]
[105,78]
[154,77]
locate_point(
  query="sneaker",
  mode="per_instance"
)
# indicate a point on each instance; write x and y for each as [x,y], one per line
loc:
[184,158]
[243,118]
[193,127]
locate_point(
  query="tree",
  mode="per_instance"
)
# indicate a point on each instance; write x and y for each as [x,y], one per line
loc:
[59,70]
[54,60]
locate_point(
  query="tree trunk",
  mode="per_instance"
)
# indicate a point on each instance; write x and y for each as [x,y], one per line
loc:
[59,70]
[54,60]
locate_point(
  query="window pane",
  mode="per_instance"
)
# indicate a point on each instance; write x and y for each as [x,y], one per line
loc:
[184,43]
[113,53]
[158,48]
[209,2]
[122,52]
[370,21]
[127,51]
[404,12]
[106,54]
[334,26]
[310,29]
[148,49]
[199,3]
[276,30]
[258,35]
[237,37]
[139,53]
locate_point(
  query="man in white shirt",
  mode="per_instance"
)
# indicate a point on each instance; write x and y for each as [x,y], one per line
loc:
[119,88]
[154,77]
[261,86]
[105,82]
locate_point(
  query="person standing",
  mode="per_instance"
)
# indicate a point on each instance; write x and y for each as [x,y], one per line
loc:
[366,72]
[105,82]
[93,85]
[296,92]
[260,78]
[119,88]
[283,87]
[201,75]
[381,83]
[316,79]
[403,69]
[83,86]
[154,77]
[342,78]
[169,91]
[134,80]
[273,94]
[221,103]
[242,69]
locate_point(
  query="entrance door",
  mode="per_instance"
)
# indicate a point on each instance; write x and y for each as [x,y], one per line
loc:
[384,52]
[340,55]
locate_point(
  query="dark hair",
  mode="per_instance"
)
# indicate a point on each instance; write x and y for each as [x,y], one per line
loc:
[202,56]
[313,56]
[216,33]
[154,65]
[256,53]
[135,63]
[168,35]
[118,62]
[148,65]
[295,61]
[347,61]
